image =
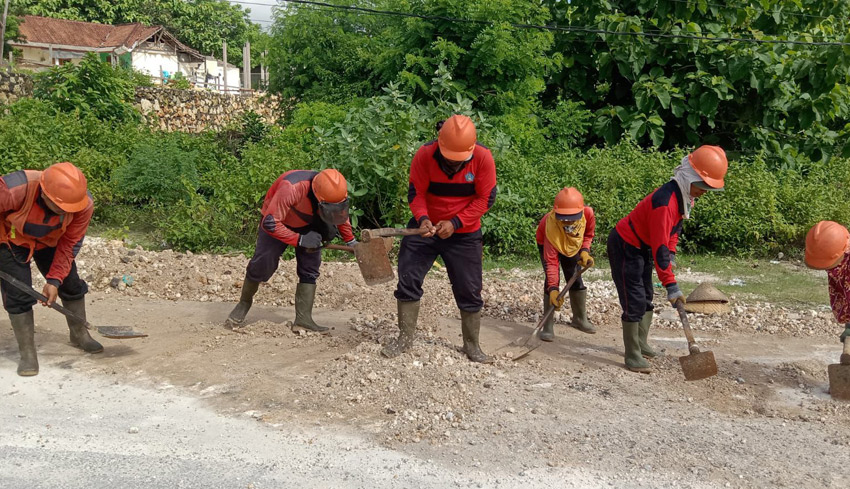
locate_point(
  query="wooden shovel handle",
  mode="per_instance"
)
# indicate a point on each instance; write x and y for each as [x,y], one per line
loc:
[369,234]
[26,289]
[349,249]
[686,325]
[564,291]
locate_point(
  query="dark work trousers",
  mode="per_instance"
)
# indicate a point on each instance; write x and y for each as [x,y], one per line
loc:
[267,257]
[631,269]
[13,261]
[568,265]
[462,254]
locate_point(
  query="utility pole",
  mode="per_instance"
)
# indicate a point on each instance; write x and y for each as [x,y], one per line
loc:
[3,28]
[224,70]
[246,66]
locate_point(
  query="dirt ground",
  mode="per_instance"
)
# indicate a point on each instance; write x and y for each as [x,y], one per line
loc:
[765,420]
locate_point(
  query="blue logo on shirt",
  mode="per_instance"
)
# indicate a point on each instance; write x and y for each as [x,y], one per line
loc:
[470,177]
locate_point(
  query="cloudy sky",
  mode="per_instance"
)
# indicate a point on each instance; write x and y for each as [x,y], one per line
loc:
[262,14]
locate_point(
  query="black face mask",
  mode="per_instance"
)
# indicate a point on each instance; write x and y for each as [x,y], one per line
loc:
[334,214]
[450,167]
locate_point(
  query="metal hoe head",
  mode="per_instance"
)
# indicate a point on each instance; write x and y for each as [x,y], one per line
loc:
[699,365]
[373,262]
[839,381]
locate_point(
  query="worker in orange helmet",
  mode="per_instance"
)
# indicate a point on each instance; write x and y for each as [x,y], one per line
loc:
[828,248]
[564,236]
[303,209]
[452,183]
[44,216]
[649,234]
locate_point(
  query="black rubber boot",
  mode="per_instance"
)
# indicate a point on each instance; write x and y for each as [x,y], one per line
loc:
[408,315]
[79,334]
[643,334]
[237,315]
[24,327]
[305,295]
[471,325]
[578,304]
[547,333]
[631,340]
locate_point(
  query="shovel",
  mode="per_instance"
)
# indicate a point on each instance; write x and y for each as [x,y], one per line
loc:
[114,332]
[367,235]
[696,365]
[839,375]
[532,342]
[372,259]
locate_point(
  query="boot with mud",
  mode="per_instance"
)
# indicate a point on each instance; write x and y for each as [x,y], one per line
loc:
[631,341]
[24,327]
[408,314]
[305,295]
[79,334]
[643,334]
[578,304]
[471,326]
[237,315]
[547,333]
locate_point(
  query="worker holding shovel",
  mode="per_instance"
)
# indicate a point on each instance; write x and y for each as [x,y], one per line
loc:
[302,209]
[45,215]
[650,234]
[564,236]
[452,183]
[828,248]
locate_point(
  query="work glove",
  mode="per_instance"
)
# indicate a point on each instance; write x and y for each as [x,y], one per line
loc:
[673,264]
[675,295]
[311,240]
[585,260]
[555,300]
[846,333]
[351,243]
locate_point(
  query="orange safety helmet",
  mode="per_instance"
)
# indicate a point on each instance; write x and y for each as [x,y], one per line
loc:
[569,204]
[826,244]
[65,185]
[457,138]
[330,186]
[710,164]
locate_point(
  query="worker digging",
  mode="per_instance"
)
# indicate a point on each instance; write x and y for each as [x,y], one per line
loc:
[564,236]
[649,234]
[453,183]
[302,209]
[45,215]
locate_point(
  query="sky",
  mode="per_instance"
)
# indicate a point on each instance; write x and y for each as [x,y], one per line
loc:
[259,14]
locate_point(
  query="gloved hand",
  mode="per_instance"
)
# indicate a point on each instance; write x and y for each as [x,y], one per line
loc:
[351,243]
[846,333]
[311,240]
[555,300]
[585,260]
[673,264]
[675,295]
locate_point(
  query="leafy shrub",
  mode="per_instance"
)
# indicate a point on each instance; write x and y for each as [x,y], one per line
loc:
[179,82]
[158,172]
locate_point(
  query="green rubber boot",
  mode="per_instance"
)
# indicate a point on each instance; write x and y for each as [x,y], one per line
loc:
[408,314]
[471,326]
[305,295]
[578,304]
[631,340]
[547,333]
[24,327]
[237,315]
[643,334]
[79,334]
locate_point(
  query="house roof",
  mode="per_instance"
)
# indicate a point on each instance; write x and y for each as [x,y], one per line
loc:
[45,30]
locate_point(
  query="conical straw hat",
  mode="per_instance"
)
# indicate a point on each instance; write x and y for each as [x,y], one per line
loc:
[707,293]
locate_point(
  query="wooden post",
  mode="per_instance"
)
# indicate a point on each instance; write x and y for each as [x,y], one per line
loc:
[224,70]
[3,29]
[246,66]
[50,54]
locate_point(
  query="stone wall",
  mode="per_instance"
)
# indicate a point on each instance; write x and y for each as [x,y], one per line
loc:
[169,109]
[14,86]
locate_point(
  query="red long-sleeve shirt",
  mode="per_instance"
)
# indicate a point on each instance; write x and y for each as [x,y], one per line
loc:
[290,206]
[550,253]
[656,223]
[461,198]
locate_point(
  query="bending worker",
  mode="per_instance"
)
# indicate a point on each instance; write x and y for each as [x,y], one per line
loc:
[303,209]
[452,184]
[650,234]
[828,248]
[564,236]
[45,215]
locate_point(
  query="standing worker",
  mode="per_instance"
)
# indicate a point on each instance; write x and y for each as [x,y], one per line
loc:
[45,215]
[650,234]
[452,183]
[828,248]
[564,236]
[303,209]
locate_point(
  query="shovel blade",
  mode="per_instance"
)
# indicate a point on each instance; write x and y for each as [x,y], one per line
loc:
[373,262]
[119,332]
[698,366]
[839,381]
